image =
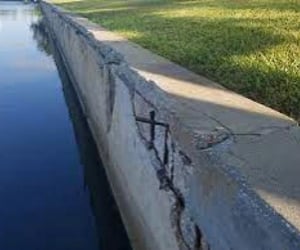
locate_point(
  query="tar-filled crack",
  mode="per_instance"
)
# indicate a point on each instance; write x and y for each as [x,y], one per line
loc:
[166,183]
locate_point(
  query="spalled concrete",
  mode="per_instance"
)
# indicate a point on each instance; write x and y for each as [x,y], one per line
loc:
[222,175]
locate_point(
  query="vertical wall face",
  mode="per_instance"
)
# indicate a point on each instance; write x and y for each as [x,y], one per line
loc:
[108,104]
[171,196]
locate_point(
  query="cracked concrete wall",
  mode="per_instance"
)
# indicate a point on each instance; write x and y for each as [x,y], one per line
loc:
[182,192]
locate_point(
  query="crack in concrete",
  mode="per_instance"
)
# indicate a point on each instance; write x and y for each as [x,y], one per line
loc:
[167,184]
[267,130]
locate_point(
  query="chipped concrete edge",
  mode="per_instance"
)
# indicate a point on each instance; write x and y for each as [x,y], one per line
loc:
[168,198]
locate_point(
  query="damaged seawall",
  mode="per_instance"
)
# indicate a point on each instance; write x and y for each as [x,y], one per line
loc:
[181,183]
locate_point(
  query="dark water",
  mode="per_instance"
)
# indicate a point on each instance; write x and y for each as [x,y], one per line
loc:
[53,189]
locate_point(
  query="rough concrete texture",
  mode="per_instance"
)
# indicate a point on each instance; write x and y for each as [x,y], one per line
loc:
[222,175]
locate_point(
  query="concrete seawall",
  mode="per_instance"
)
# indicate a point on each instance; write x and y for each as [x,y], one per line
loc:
[218,171]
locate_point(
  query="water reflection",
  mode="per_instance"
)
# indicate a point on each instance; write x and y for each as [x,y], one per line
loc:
[111,233]
[8,14]
[40,35]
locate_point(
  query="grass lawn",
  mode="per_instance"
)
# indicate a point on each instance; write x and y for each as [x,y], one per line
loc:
[249,46]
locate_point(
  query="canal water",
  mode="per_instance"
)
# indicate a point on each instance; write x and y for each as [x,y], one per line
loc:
[53,190]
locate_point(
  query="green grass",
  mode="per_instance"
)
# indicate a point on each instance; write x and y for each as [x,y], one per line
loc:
[249,46]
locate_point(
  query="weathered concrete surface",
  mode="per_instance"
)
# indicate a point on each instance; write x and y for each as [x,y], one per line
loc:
[231,180]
